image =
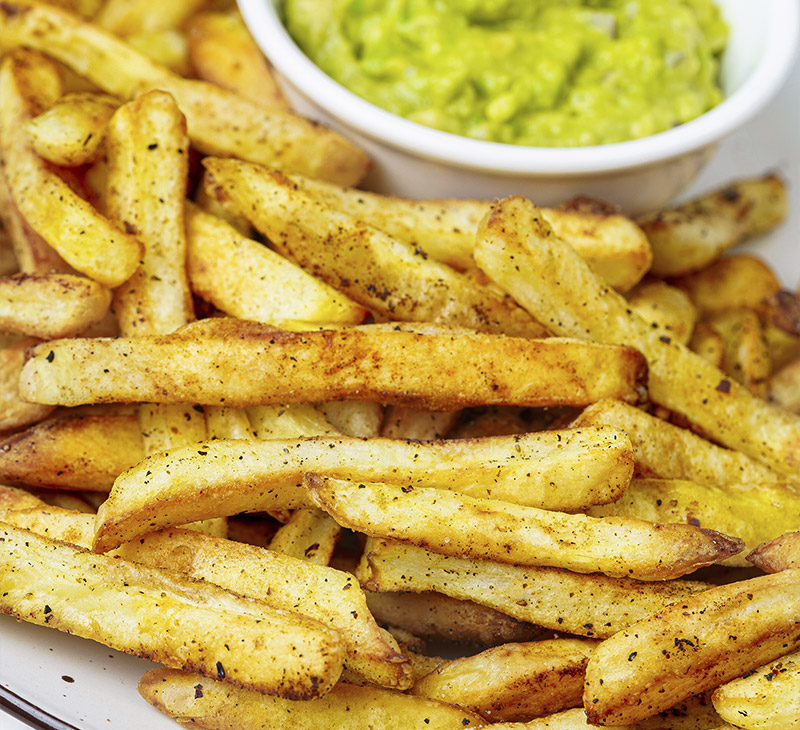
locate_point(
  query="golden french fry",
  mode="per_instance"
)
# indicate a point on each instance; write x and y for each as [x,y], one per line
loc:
[15,411]
[13,498]
[85,452]
[26,304]
[708,343]
[513,681]
[555,470]
[670,452]
[219,121]
[71,132]
[217,706]
[288,421]
[437,616]
[310,534]
[168,47]
[353,417]
[223,52]
[84,238]
[782,553]
[165,617]
[584,605]
[553,282]
[694,234]
[410,423]
[461,526]
[254,364]
[784,386]
[245,279]
[767,699]
[126,17]
[692,646]
[666,308]
[363,262]
[228,423]
[753,513]
[746,357]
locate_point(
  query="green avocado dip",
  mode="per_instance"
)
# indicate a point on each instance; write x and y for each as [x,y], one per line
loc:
[531,72]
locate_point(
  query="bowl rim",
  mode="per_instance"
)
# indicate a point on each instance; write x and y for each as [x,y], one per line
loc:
[385,127]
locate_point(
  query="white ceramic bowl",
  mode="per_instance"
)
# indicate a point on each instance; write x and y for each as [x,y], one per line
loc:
[644,174]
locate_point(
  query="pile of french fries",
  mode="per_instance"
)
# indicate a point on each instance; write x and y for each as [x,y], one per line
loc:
[304,444]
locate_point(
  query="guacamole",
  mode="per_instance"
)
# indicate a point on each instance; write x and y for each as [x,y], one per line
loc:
[532,72]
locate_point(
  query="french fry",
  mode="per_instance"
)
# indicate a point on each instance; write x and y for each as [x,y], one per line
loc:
[168,47]
[692,646]
[289,421]
[366,264]
[15,411]
[584,605]
[708,343]
[694,234]
[746,357]
[223,52]
[228,423]
[165,617]
[666,308]
[8,259]
[84,238]
[754,513]
[353,417]
[126,17]
[410,423]
[766,698]
[85,452]
[461,526]
[436,616]
[310,534]
[26,305]
[513,681]
[566,470]
[552,281]
[258,365]
[782,553]
[219,706]
[245,279]
[784,386]
[71,132]
[13,498]
[219,121]
[670,452]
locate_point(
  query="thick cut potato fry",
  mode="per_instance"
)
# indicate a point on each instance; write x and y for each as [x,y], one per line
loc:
[708,343]
[746,357]
[670,452]
[613,245]
[245,279]
[13,498]
[49,306]
[218,706]
[15,411]
[551,470]
[254,364]
[353,417]
[782,553]
[666,308]
[692,235]
[767,699]
[71,132]
[219,121]
[754,513]
[366,264]
[86,452]
[168,47]
[550,280]
[228,423]
[784,387]
[436,616]
[585,605]
[461,526]
[165,617]
[310,534]
[693,646]
[410,423]
[289,421]
[126,17]
[223,52]
[513,681]
[84,238]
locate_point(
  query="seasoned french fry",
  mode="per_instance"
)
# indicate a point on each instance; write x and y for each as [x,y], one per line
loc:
[245,279]
[784,387]
[71,132]
[667,451]
[168,618]
[168,47]
[555,470]
[513,681]
[461,526]
[767,698]
[665,308]
[126,17]
[585,605]
[552,281]
[223,52]
[16,412]
[85,452]
[258,365]
[694,234]
[220,122]
[219,706]
[310,534]
[12,498]
[410,423]
[708,343]
[746,358]
[782,553]
[353,417]
[228,423]
[26,305]
[692,646]
[289,421]
[366,264]
[754,514]
[83,237]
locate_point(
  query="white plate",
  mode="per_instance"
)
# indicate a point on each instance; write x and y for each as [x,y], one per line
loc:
[51,680]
